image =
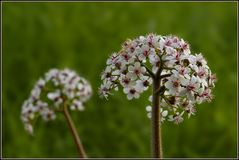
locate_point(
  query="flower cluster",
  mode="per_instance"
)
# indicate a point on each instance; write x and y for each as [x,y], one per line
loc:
[185,79]
[51,93]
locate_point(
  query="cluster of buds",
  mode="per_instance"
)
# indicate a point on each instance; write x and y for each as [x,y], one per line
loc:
[51,93]
[185,79]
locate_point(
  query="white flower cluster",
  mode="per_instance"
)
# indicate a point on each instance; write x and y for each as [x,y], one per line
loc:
[50,93]
[185,78]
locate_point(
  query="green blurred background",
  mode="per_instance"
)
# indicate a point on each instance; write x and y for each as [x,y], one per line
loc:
[40,36]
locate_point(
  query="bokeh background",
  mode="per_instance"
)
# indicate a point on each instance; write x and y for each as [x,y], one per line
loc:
[80,36]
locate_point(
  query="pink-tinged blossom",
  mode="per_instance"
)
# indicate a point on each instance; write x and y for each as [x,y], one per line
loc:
[146,50]
[126,80]
[155,62]
[144,83]
[186,77]
[105,88]
[136,70]
[131,92]
[127,57]
[112,59]
[189,108]
[176,118]
[174,83]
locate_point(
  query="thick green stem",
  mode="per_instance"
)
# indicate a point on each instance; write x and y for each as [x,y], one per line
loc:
[74,133]
[157,150]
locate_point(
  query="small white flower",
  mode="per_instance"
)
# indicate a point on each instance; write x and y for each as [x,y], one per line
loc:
[185,47]
[145,52]
[149,115]
[154,40]
[191,111]
[127,57]
[136,70]
[36,93]
[212,79]
[155,62]
[54,95]
[192,86]
[53,73]
[28,128]
[201,72]
[204,96]
[164,114]
[177,118]
[181,70]
[131,93]
[105,89]
[77,104]
[48,115]
[70,93]
[148,108]
[168,42]
[174,84]
[131,46]
[40,83]
[175,42]
[112,59]
[40,105]
[150,98]
[126,81]
[28,111]
[161,43]
[200,61]
[171,52]
[143,83]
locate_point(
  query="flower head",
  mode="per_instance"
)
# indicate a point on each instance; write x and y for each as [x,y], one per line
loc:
[50,93]
[185,78]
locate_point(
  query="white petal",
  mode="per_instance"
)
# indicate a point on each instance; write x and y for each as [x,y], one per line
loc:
[184,81]
[129,96]
[51,96]
[149,115]
[116,72]
[136,95]
[72,107]
[131,68]
[143,69]
[169,85]
[126,90]
[29,128]
[137,64]
[151,98]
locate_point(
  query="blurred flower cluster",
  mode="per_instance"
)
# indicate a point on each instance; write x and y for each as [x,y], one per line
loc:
[185,79]
[50,93]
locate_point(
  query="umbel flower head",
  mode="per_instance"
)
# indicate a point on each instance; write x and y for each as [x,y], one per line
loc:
[186,79]
[50,93]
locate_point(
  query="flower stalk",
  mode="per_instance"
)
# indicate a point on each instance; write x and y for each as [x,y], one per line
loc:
[157,150]
[75,135]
